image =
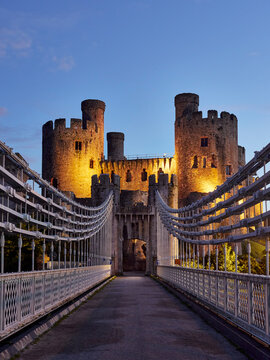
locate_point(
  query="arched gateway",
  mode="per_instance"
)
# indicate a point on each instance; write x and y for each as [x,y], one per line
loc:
[134,233]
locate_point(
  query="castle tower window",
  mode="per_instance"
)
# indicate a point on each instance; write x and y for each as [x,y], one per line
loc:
[204,162]
[128,176]
[78,145]
[144,175]
[54,182]
[214,161]
[204,142]
[160,171]
[195,162]
[228,169]
[91,164]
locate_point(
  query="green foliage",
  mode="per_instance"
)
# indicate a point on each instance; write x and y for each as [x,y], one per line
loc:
[257,259]
[257,267]
[11,254]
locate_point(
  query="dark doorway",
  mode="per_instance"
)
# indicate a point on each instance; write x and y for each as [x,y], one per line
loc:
[134,255]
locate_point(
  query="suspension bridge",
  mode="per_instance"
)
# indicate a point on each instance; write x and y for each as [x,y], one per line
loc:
[54,249]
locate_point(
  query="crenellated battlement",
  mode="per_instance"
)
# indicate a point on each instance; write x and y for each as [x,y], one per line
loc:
[164,162]
[163,180]
[60,125]
[101,187]
[224,122]
[167,185]
[212,115]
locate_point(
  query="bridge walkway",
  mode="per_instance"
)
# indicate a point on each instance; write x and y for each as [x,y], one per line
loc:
[133,317]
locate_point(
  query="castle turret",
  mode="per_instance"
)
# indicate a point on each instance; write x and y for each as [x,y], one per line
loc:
[186,103]
[115,146]
[71,155]
[206,149]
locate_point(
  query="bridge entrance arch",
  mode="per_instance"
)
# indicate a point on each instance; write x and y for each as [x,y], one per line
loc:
[134,251]
[135,242]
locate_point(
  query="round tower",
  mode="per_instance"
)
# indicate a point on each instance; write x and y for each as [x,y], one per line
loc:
[186,103]
[115,146]
[71,155]
[206,149]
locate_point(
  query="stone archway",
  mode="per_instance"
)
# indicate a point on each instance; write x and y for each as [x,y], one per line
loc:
[134,253]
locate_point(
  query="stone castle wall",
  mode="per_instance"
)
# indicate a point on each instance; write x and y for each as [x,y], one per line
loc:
[71,156]
[206,151]
[134,174]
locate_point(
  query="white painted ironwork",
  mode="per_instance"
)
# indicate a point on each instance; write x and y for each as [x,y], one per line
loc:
[241,298]
[76,238]
[233,216]
[30,295]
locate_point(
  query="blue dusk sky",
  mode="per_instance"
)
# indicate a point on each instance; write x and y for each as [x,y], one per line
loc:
[135,55]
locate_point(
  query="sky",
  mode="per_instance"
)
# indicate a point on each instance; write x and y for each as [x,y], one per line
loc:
[135,55]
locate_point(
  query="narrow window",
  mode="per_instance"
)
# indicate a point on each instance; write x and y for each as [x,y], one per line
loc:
[204,162]
[78,145]
[128,176]
[214,161]
[228,169]
[204,142]
[54,182]
[96,128]
[144,175]
[160,171]
[195,162]
[91,164]
[112,174]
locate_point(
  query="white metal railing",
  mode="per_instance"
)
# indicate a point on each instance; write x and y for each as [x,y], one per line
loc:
[30,295]
[208,247]
[241,298]
[37,219]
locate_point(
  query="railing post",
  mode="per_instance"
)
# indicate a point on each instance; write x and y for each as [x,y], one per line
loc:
[267,256]
[43,254]
[225,258]
[188,255]
[203,255]
[74,255]
[193,256]
[209,260]
[65,254]
[59,254]
[70,253]
[249,251]
[236,257]
[216,257]
[78,252]
[2,253]
[20,253]
[52,249]
[33,254]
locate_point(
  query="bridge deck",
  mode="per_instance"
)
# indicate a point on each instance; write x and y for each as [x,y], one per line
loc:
[132,318]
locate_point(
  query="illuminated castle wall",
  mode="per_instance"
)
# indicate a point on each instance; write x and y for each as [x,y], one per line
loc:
[70,156]
[206,151]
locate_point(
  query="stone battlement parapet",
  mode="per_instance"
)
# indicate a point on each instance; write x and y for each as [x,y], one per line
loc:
[60,124]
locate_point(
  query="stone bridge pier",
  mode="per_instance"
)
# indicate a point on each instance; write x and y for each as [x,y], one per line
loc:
[134,221]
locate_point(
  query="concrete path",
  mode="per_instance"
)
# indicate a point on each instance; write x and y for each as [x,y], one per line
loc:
[132,318]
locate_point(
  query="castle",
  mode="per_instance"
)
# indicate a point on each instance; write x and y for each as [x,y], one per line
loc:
[206,153]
